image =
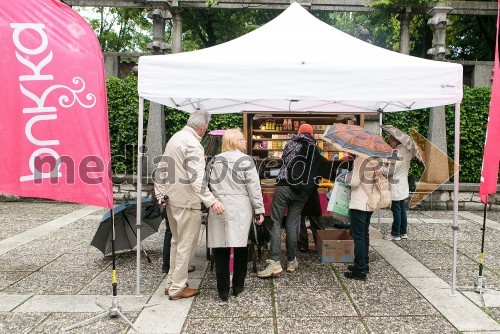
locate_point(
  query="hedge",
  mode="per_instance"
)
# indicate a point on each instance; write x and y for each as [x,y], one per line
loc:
[123,108]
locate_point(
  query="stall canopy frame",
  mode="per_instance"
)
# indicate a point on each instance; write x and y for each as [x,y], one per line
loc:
[297,63]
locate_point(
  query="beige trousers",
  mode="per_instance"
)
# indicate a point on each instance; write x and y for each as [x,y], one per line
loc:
[185,226]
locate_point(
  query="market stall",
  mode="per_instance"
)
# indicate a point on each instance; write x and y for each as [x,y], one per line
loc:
[267,134]
[297,64]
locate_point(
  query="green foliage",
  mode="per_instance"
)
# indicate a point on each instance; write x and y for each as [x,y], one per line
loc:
[471,37]
[212,26]
[120,29]
[123,106]
[175,120]
[473,118]
[414,119]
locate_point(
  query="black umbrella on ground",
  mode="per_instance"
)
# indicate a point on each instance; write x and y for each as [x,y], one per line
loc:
[125,227]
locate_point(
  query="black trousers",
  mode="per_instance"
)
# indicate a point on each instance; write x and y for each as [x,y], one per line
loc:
[221,258]
[316,224]
[166,248]
[360,227]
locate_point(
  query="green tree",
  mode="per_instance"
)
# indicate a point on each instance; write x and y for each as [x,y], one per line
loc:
[120,29]
[471,37]
[211,26]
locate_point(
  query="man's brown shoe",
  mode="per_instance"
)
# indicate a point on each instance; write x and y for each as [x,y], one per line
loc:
[166,289]
[186,293]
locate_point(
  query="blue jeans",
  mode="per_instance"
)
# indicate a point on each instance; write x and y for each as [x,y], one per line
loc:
[360,225]
[400,222]
[166,248]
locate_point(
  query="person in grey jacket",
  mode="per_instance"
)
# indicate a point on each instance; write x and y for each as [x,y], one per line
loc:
[235,183]
[179,186]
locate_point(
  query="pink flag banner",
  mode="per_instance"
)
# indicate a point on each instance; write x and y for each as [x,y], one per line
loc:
[491,156]
[54,132]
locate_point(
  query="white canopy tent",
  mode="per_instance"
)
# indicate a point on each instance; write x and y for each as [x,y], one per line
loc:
[297,63]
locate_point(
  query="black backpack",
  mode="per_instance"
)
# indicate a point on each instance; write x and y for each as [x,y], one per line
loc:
[304,169]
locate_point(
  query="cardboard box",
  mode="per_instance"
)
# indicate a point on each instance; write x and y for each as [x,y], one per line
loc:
[335,246]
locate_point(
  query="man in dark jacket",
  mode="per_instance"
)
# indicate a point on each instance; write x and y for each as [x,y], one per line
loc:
[295,182]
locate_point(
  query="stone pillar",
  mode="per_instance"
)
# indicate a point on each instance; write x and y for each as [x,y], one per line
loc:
[155,136]
[111,65]
[437,166]
[404,31]
[176,30]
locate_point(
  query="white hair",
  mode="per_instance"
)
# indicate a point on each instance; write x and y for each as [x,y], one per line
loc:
[198,119]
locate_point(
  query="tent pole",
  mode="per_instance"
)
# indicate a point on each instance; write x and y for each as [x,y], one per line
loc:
[456,167]
[139,196]
[380,134]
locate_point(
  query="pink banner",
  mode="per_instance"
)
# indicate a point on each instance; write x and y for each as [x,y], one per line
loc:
[491,156]
[54,126]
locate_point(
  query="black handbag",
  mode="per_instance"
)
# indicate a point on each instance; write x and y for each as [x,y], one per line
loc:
[260,234]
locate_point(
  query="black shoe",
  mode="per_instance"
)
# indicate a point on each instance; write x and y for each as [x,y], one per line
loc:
[237,291]
[164,270]
[223,297]
[358,275]
[353,268]
[191,268]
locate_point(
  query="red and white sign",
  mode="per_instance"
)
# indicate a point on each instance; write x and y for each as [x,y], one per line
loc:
[54,134]
[491,156]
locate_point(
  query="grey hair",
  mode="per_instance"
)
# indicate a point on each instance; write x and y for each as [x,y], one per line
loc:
[198,119]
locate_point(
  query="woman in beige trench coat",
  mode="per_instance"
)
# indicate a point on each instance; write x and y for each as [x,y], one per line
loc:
[234,182]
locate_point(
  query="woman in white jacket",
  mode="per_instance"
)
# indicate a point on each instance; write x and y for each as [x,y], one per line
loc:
[400,190]
[234,181]
[362,181]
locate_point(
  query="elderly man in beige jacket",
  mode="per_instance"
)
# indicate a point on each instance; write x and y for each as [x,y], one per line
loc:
[179,184]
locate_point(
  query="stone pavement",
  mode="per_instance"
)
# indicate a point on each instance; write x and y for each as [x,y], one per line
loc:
[51,278]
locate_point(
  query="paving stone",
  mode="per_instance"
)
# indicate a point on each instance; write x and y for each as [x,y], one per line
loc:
[389,302]
[319,275]
[56,322]
[494,312]
[19,323]
[79,261]
[126,277]
[9,277]
[326,325]
[10,302]
[251,281]
[250,303]
[52,282]
[312,301]
[229,325]
[425,246]
[410,325]
[466,278]
[21,262]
